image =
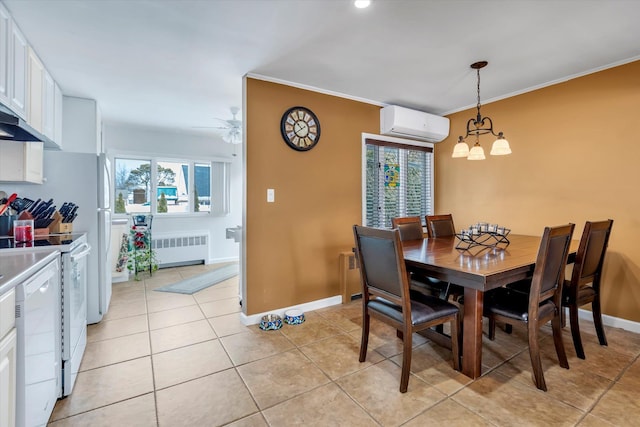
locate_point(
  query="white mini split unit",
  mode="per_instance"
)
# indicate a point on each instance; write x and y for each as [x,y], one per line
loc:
[406,123]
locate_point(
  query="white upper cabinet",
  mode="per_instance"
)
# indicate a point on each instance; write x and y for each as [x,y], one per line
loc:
[48,105]
[35,107]
[26,87]
[5,68]
[18,52]
[57,114]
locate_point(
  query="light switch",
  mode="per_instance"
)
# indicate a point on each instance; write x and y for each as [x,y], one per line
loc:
[271,195]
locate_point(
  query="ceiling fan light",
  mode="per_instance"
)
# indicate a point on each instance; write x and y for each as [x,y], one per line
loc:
[500,147]
[476,153]
[461,149]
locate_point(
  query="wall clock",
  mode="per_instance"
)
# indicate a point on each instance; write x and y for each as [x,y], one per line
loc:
[300,128]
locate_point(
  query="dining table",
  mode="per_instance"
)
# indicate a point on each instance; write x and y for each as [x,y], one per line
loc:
[478,270]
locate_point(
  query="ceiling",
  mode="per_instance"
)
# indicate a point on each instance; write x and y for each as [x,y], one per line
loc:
[179,63]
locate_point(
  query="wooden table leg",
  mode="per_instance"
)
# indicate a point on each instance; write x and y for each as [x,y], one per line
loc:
[472,334]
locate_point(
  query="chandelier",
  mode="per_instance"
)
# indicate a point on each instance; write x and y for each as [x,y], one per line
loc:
[480,126]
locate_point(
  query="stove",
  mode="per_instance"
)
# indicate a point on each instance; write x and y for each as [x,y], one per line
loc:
[72,297]
[61,242]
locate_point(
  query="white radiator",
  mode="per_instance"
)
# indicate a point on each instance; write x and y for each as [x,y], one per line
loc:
[181,249]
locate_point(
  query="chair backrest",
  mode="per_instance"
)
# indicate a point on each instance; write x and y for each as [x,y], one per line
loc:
[382,268]
[548,275]
[590,255]
[410,227]
[440,225]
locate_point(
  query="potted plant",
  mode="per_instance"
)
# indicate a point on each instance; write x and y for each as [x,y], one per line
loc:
[141,256]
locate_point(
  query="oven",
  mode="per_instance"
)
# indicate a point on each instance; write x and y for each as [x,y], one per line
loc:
[74,312]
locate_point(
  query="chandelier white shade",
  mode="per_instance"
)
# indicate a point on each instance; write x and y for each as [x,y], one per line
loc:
[480,126]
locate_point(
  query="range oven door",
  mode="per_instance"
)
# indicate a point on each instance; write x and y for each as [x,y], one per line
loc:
[74,313]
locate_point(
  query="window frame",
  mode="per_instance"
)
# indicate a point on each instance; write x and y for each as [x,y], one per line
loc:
[399,143]
[224,172]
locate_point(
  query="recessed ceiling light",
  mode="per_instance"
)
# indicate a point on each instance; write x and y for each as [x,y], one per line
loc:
[361,4]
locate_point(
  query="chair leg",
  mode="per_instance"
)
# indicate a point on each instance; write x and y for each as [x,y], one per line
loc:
[508,328]
[556,326]
[406,362]
[597,320]
[365,336]
[575,330]
[534,354]
[492,328]
[455,342]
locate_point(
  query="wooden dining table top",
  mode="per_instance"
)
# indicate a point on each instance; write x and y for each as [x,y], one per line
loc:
[479,268]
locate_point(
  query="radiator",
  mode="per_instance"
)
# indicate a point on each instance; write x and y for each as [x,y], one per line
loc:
[349,276]
[173,250]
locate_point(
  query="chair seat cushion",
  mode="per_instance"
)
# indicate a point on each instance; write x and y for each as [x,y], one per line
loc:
[514,304]
[585,294]
[424,308]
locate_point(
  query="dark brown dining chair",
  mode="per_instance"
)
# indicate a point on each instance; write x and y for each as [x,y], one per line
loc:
[584,286]
[542,302]
[410,228]
[387,297]
[440,225]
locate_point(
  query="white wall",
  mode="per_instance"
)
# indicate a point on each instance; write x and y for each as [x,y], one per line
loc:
[122,139]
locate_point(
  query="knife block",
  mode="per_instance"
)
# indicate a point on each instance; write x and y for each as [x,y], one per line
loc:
[59,227]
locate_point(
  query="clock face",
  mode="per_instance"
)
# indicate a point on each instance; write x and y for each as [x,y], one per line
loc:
[300,128]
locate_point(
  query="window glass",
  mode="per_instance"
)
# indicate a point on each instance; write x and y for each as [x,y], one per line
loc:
[398,182]
[172,192]
[178,186]
[132,185]
[202,192]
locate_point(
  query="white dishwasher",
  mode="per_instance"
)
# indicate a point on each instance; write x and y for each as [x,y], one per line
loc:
[38,349]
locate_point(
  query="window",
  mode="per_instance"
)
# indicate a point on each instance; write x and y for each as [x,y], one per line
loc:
[179,186]
[398,181]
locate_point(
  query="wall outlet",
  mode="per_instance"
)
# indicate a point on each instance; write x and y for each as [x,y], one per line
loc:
[271,195]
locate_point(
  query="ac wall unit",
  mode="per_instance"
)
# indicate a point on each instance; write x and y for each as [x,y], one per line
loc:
[406,123]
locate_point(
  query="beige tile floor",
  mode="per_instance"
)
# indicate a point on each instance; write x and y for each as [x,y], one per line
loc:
[162,359]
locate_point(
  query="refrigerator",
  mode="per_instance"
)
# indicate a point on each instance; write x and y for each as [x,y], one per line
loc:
[84,179]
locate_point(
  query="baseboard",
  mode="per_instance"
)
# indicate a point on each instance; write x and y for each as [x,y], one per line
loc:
[254,319]
[226,259]
[615,322]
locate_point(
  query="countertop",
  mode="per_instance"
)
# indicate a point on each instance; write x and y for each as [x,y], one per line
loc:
[16,267]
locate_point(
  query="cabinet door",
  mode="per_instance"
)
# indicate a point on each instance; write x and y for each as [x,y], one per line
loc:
[48,105]
[57,115]
[5,37]
[35,91]
[21,162]
[18,92]
[8,379]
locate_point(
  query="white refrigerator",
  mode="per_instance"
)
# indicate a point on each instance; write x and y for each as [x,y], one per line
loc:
[84,179]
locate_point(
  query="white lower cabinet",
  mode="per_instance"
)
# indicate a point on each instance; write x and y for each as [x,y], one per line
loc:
[8,344]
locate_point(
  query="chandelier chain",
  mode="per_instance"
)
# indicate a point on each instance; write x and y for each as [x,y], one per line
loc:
[478,106]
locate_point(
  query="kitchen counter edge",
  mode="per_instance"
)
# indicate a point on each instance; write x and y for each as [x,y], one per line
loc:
[16,267]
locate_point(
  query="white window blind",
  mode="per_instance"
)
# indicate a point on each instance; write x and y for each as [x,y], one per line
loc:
[398,181]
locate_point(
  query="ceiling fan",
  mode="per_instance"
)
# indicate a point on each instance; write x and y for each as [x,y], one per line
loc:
[233,127]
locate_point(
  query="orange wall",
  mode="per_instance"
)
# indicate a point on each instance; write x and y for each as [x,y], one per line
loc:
[292,245]
[575,157]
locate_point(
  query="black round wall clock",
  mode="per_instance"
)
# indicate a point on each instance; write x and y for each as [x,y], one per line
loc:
[300,128]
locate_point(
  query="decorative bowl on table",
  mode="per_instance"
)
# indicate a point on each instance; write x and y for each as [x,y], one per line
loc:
[293,317]
[271,322]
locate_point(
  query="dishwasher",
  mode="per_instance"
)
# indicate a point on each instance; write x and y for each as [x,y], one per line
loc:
[38,346]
